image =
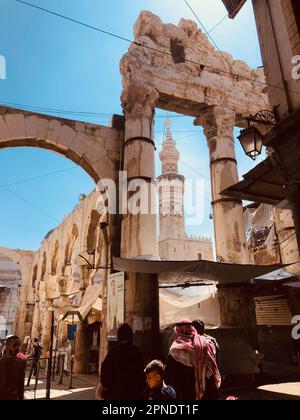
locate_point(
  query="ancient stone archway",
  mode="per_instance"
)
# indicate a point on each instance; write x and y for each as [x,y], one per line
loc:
[176,68]
[25,260]
[93,147]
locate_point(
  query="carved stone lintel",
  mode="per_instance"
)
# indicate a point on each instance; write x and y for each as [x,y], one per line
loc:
[139,100]
[217,121]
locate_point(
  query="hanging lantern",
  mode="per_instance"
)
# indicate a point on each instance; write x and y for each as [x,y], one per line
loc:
[252,141]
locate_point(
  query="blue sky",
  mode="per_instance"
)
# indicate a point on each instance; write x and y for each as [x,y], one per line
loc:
[52,63]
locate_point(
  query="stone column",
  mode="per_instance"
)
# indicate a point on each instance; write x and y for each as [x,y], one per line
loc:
[229,223]
[46,332]
[20,321]
[139,231]
[36,322]
[80,364]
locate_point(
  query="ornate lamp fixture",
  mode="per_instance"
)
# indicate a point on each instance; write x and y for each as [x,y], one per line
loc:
[251,138]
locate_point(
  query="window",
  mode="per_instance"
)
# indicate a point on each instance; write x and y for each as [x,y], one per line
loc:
[200,257]
[177,50]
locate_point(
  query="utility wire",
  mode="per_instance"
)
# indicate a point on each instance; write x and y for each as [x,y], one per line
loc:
[281,243]
[211,38]
[29,203]
[25,180]
[218,24]
[72,112]
[153,48]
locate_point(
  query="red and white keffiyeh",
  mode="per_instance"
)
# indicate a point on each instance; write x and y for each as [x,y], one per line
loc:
[194,350]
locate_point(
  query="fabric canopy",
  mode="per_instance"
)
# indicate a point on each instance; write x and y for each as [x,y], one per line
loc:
[176,304]
[90,299]
[206,270]
[263,184]
[277,276]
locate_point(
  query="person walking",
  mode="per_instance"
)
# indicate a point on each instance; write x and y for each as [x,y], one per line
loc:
[211,391]
[35,355]
[190,361]
[12,371]
[122,372]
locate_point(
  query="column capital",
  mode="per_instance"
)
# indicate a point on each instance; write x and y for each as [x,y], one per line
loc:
[217,121]
[139,100]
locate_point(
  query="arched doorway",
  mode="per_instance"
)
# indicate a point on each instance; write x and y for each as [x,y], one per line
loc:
[15,301]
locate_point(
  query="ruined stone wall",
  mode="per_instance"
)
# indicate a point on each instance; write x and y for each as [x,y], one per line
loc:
[59,274]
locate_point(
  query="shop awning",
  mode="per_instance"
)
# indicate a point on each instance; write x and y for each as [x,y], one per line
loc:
[233,6]
[279,276]
[263,184]
[91,300]
[206,270]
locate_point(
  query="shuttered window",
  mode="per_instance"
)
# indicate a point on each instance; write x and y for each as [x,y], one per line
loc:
[233,6]
[272,310]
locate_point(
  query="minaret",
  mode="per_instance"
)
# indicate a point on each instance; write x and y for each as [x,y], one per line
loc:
[171,204]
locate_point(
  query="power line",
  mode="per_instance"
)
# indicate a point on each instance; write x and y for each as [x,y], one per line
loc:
[153,48]
[211,38]
[285,240]
[74,21]
[203,27]
[218,24]
[72,112]
[29,203]
[23,181]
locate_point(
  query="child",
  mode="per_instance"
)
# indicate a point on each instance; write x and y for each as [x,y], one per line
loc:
[156,388]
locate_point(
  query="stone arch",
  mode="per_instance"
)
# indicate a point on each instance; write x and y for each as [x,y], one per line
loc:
[43,266]
[93,147]
[92,234]
[34,276]
[23,259]
[54,260]
[70,245]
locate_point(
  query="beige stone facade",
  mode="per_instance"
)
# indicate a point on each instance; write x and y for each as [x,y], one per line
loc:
[170,67]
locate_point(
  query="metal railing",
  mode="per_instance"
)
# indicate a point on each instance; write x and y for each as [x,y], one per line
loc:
[46,369]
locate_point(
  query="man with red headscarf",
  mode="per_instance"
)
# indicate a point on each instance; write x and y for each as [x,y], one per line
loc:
[191,361]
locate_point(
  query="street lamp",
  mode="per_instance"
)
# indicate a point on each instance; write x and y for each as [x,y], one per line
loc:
[251,138]
[252,141]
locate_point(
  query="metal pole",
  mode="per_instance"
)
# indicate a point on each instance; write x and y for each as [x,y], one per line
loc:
[37,375]
[62,363]
[72,355]
[50,359]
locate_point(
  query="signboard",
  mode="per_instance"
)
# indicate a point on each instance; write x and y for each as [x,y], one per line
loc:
[115,303]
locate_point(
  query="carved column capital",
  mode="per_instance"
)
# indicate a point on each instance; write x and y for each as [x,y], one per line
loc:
[139,100]
[217,121]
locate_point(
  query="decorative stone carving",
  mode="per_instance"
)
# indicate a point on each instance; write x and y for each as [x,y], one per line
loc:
[217,121]
[139,100]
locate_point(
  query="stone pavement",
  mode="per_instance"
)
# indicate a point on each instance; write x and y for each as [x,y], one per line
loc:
[281,391]
[84,389]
